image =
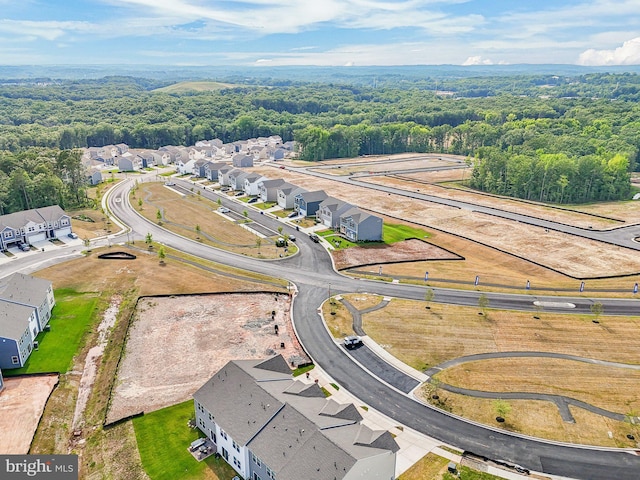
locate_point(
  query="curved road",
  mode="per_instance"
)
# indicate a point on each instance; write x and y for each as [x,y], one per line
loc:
[313,273]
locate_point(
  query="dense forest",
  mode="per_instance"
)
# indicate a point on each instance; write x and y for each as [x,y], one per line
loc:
[571,138]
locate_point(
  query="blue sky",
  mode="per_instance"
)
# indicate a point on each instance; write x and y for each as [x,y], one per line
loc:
[319,32]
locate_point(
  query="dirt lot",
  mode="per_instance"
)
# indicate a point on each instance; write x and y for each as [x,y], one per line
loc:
[406,251]
[579,258]
[21,405]
[191,337]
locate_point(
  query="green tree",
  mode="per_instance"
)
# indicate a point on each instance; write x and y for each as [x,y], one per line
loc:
[140,203]
[258,244]
[483,303]
[502,408]
[429,295]
[597,309]
[148,239]
[161,254]
[159,216]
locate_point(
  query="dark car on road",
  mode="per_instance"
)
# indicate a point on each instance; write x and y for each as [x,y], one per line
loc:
[314,237]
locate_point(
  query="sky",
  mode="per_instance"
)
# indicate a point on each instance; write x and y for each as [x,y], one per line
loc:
[319,32]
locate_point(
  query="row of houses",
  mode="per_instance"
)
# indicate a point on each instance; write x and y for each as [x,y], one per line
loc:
[352,222]
[240,154]
[29,226]
[268,425]
[26,303]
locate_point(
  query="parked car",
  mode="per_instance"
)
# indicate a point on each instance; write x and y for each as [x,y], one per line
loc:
[292,215]
[292,238]
[169,184]
[72,235]
[352,341]
[239,194]
[314,237]
[253,200]
[24,247]
[223,210]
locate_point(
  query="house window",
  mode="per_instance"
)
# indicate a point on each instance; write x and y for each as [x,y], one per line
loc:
[225,454]
[236,462]
[256,476]
[15,360]
[271,474]
[256,460]
[223,434]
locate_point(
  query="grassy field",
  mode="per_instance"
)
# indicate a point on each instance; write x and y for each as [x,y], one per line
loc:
[165,456]
[183,87]
[614,389]
[426,337]
[429,467]
[391,233]
[214,230]
[113,453]
[74,314]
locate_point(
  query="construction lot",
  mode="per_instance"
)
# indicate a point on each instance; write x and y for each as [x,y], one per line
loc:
[21,405]
[177,343]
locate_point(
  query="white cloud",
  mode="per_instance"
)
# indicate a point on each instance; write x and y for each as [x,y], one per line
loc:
[627,54]
[48,30]
[477,60]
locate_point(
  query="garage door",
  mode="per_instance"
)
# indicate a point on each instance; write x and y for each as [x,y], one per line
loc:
[37,237]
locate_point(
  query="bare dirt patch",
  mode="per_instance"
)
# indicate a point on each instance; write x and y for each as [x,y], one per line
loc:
[21,405]
[176,344]
[406,251]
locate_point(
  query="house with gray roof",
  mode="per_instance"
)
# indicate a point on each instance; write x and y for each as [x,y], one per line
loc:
[18,329]
[223,175]
[242,160]
[330,210]
[33,225]
[236,180]
[268,425]
[268,189]
[211,170]
[360,226]
[33,292]
[251,181]
[307,203]
[287,194]
[93,176]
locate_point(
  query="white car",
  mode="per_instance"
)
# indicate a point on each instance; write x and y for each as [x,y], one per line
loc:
[223,210]
[352,341]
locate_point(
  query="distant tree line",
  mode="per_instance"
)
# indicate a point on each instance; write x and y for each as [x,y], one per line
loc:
[41,177]
[508,122]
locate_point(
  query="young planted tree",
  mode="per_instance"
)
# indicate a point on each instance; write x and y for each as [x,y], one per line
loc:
[483,303]
[258,244]
[140,203]
[161,255]
[597,309]
[148,239]
[198,232]
[429,295]
[159,216]
[502,408]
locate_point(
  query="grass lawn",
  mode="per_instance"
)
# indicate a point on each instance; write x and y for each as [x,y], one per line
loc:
[265,205]
[429,467]
[163,438]
[73,316]
[391,233]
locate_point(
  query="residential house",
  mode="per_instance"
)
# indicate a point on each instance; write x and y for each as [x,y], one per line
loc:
[93,176]
[147,159]
[107,151]
[18,328]
[199,167]
[33,292]
[122,148]
[287,194]
[268,425]
[268,189]
[359,226]
[240,160]
[236,180]
[223,175]
[251,182]
[126,164]
[33,225]
[307,203]
[279,153]
[211,170]
[185,166]
[330,211]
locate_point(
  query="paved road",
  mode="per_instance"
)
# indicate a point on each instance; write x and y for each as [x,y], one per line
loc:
[313,274]
[622,236]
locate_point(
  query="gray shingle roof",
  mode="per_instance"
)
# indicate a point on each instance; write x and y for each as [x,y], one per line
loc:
[24,289]
[13,320]
[316,195]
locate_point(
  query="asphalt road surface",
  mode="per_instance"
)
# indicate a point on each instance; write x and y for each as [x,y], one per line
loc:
[313,274]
